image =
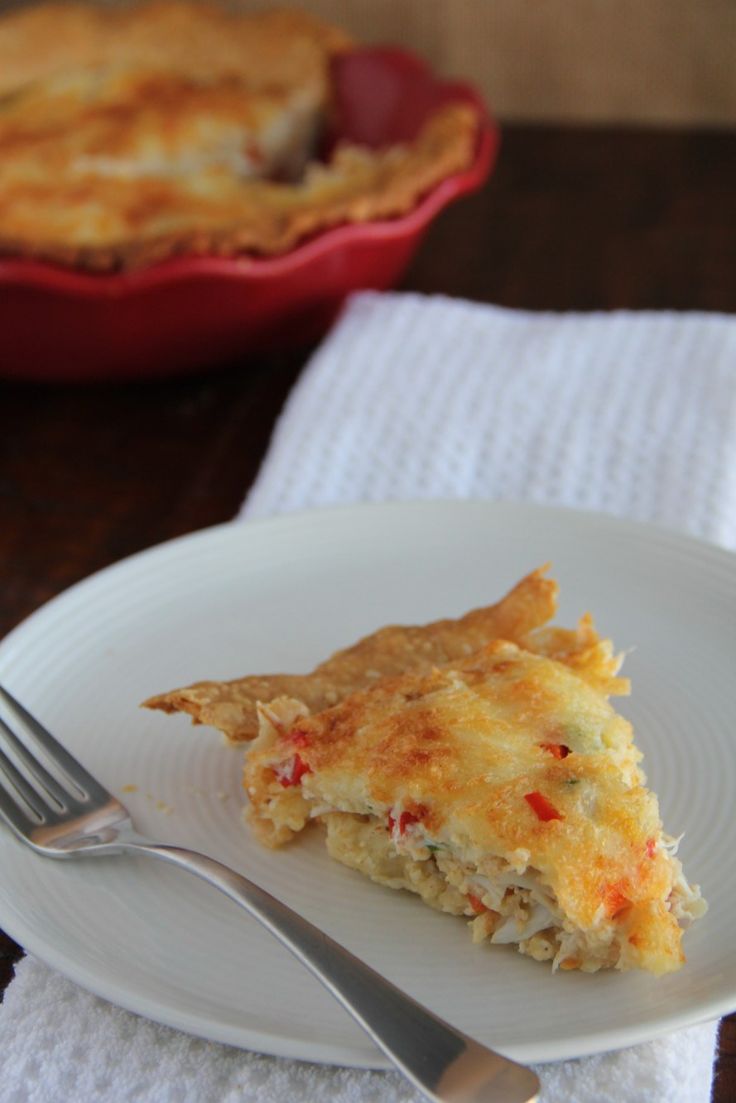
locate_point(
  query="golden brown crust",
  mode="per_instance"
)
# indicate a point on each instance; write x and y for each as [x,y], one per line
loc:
[231,706]
[478,763]
[257,217]
[122,136]
[280,47]
[582,649]
[504,755]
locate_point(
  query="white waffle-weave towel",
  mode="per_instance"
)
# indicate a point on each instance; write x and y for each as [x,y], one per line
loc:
[631,413]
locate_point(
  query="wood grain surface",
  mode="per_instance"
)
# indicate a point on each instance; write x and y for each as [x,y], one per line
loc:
[585,219]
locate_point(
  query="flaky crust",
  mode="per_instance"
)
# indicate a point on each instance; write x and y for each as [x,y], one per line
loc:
[121,134]
[271,48]
[259,217]
[231,706]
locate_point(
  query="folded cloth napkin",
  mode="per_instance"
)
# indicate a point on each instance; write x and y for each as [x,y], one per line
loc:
[630,413]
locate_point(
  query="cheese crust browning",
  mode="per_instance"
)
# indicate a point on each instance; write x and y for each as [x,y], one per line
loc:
[519,617]
[128,136]
[502,786]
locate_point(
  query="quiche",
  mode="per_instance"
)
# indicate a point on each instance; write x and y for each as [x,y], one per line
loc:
[131,134]
[480,765]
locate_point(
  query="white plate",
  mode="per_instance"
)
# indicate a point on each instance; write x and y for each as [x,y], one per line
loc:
[280,595]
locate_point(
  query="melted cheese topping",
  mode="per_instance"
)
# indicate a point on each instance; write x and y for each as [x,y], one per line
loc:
[510,765]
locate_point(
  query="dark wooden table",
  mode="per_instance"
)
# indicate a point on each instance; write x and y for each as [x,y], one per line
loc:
[572,219]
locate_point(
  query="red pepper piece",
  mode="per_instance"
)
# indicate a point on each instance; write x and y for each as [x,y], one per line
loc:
[300,738]
[295,772]
[405,818]
[544,808]
[476,904]
[557,750]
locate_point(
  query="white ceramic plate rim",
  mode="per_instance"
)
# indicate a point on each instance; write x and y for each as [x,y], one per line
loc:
[383,516]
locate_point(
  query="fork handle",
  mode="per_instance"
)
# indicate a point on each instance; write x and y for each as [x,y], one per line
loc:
[445,1064]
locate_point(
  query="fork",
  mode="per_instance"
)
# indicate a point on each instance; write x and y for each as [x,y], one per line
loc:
[67,813]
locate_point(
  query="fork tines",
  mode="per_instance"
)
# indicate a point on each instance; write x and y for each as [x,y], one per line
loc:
[30,778]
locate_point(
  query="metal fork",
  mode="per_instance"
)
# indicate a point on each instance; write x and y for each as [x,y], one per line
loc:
[79,818]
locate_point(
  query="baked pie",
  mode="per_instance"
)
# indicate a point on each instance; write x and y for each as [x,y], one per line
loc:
[130,135]
[480,766]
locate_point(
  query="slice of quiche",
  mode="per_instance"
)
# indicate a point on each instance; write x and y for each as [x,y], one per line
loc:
[501,786]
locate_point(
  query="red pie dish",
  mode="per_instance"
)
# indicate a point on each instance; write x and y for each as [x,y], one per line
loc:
[192,313]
